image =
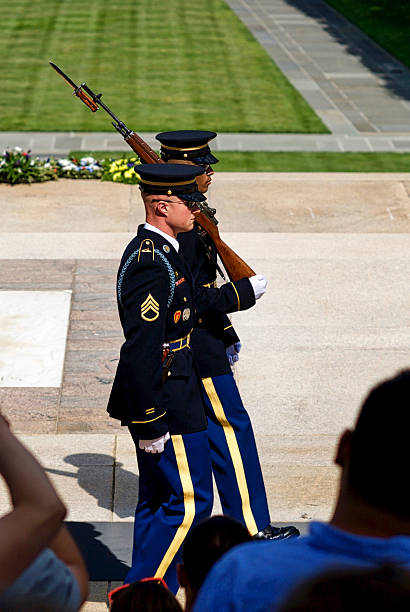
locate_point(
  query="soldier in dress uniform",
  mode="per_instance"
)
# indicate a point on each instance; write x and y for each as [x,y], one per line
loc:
[216,346]
[157,389]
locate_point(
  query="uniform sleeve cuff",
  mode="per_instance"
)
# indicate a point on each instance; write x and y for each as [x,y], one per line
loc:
[149,431]
[246,293]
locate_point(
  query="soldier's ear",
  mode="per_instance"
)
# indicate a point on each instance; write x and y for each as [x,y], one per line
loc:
[162,208]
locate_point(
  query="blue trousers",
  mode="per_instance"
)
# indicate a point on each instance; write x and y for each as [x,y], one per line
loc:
[175,487]
[235,461]
[175,492]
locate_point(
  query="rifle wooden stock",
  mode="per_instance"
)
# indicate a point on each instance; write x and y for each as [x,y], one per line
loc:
[142,149]
[235,266]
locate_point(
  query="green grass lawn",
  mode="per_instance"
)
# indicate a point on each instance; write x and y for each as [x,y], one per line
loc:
[387,23]
[251,161]
[161,64]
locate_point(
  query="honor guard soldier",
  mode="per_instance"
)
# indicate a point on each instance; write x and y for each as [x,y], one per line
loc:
[157,390]
[215,344]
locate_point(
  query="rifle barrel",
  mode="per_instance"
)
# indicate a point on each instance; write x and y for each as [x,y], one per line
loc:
[97,99]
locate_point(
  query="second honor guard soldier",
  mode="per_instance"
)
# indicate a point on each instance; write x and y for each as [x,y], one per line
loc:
[234,455]
[157,390]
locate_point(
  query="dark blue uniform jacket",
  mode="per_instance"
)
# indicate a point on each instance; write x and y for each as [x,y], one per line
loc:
[213,330]
[157,302]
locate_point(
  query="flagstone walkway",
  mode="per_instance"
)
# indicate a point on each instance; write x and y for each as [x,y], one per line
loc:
[354,85]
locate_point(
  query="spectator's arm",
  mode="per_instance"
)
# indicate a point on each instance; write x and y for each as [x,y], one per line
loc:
[37,510]
[67,551]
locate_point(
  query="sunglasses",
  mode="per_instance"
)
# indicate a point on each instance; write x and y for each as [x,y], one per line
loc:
[208,169]
[113,594]
[187,203]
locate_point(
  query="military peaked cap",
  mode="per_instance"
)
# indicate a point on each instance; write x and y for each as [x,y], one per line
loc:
[191,145]
[171,179]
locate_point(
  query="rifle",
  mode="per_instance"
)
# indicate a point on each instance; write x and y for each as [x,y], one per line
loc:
[234,265]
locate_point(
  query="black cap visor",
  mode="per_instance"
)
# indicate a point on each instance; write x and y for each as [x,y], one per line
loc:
[205,160]
[195,196]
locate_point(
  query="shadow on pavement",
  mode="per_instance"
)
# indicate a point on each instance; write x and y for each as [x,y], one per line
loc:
[106,548]
[122,480]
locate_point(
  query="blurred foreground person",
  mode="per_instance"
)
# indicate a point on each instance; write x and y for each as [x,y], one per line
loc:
[147,595]
[382,589]
[41,568]
[370,524]
[205,544]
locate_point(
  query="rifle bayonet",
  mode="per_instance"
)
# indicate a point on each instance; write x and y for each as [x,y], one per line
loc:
[78,91]
[93,101]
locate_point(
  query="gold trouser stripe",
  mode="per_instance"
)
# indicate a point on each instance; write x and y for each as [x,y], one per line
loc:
[235,454]
[237,295]
[189,505]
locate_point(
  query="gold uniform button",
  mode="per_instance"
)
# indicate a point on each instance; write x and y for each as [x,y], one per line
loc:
[200,321]
[184,299]
[169,373]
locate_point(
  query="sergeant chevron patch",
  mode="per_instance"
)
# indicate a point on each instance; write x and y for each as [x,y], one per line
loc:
[150,309]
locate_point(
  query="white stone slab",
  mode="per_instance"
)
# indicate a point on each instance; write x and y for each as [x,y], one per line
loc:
[33,332]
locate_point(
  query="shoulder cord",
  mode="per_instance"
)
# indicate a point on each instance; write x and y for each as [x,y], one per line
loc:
[165,262]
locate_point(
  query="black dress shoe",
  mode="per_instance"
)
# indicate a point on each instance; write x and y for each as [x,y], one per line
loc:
[277,533]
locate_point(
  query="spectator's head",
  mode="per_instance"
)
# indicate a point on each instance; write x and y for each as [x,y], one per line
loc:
[375,455]
[148,595]
[204,545]
[353,590]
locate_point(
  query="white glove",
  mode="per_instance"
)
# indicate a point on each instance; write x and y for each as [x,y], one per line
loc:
[232,352]
[154,446]
[258,283]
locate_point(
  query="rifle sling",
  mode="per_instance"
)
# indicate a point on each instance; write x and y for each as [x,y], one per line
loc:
[210,255]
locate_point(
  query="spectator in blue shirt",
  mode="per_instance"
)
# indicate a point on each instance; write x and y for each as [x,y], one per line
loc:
[370,525]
